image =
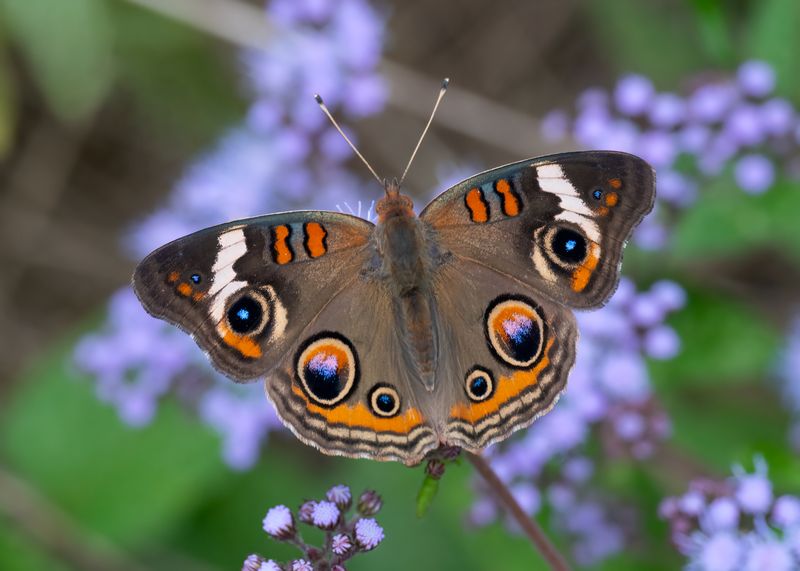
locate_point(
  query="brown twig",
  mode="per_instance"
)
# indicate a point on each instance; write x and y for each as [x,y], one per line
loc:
[527,524]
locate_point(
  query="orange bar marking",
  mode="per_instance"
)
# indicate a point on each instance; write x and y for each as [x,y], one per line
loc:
[280,244]
[507,389]
[510,200]
[582,274]
[315,239]
[611,199]
[184,289]
[478,208]
[358,416]
[244,345]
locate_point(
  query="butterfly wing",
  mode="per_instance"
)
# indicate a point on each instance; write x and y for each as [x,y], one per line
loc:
[348,387]
[558,223]
[509,352]
[244,290]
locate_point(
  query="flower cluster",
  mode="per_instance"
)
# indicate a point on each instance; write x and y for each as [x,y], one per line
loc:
[736,524]
[609,396]
[689,138]
[277,159]
[344,537]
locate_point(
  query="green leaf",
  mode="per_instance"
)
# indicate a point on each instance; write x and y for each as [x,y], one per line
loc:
[68,48]
[772,36]
[427,492]
[721,340]
[726,221]
[129,484]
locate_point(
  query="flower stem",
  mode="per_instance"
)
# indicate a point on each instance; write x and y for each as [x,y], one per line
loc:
[527,524]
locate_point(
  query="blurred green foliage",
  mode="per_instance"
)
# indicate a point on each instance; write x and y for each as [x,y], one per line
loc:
[162,492]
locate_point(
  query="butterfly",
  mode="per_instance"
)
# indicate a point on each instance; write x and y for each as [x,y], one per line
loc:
[389,340]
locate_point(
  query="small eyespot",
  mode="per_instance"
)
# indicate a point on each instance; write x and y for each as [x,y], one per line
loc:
[568,246]
[248,314]
[196,278]
[597,193]
[326,368]
[384,401]
[479,384]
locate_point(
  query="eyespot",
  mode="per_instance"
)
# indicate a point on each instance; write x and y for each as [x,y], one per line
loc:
[249,314]
[196,278]
[515,331]
[597,193]
[479,384]
[568,246]
[384,401]
[327,368]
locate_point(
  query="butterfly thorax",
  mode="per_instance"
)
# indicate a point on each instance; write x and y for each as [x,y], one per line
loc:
[406,268]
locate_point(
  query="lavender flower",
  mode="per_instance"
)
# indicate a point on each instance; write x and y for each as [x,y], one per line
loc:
[736,524]
[368,534]
[717,124]
[344,532]
[340,495]
[276,160]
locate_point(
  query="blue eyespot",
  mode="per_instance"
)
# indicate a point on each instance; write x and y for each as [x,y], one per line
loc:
[384,401]
[479,385]
[598,193]
[570,245]
[195,278]
[245,315]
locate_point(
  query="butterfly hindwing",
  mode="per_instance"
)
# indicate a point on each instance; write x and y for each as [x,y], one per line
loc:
[559,222]
[245,289]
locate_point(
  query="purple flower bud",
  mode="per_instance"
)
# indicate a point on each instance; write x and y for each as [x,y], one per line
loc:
[658,148]
[709,103]
[629,426]
[720,552]
[306,512]
[325,515]
[633,94]
[676,188]
[368,534]
[661,342]
[341,544]
[527,497]
[692,503]
[338,567]
[369,503]
[279,523]
[754,493]
[786,512]
[777,116]
[744,126]
[270,565]
[302,565]
[341,496]
[756,78]
[578,470]
[252,563]
[694,138]
[668,294]
[667,110]
[754,173]
[722,514]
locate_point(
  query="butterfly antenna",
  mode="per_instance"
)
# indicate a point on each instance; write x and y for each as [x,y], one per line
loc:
[442,91]
[349,142]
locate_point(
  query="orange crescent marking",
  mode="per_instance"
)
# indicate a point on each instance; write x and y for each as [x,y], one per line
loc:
[507,389]
[315,239]
[198,296]
[478,210]
[184,289]
[246,346]
[283,254]
[581,275]
[612,198]
[358,416]
[615,183]
[510,201]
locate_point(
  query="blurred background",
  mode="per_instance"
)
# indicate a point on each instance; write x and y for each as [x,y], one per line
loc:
[126,123]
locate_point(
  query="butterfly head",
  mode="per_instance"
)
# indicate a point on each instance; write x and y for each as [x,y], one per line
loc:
[394,203]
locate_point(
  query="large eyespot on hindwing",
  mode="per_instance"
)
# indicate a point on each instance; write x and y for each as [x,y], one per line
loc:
[479,384]
[384,401]
[326,368]
[248,313]
[515,331]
